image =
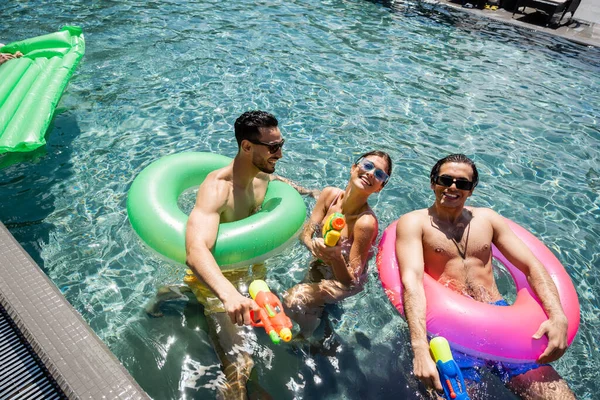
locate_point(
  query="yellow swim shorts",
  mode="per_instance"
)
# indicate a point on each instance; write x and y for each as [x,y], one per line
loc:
[240,278]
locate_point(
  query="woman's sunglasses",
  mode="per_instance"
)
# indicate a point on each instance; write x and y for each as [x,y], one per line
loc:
[273,147]
[368,166]
[447,181]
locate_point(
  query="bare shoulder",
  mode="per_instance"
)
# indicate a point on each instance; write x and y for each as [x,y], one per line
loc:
[488,220]
[412,223]
[413,217]
[366,228]
[328,194]
[367,221]
[484,213]
[481,211]
[218,179]
[321,208]
[215,190]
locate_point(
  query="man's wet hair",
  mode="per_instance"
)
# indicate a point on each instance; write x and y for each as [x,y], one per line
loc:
[455,158]
[247,125]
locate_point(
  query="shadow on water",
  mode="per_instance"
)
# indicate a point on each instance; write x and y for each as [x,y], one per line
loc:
[26,182]
[349,364]
[368,378]
[172,354]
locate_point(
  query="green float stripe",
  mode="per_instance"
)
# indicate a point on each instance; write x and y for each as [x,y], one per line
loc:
[155,216]
[17,85]
[9,78]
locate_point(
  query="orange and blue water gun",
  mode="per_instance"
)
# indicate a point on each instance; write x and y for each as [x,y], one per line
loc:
[271,316]
[450,375]
[332,228]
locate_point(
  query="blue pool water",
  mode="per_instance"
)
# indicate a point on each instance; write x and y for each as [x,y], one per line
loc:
[416,80]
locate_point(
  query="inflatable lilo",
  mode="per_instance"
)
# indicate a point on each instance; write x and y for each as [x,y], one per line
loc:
[157,219]
[480,329]
[31,86]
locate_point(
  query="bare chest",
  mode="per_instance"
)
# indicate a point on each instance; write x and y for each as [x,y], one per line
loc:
[465,242]
[461,259]
[240,205]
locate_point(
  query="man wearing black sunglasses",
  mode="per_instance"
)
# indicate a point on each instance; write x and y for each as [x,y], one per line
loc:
[230,194]
[453,244]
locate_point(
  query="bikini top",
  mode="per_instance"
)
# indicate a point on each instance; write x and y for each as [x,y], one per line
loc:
[350,238]
[346,242]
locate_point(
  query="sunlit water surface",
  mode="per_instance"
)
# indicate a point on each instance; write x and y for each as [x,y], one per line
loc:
[416,80]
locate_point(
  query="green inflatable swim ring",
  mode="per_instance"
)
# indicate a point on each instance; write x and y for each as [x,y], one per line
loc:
[157,219]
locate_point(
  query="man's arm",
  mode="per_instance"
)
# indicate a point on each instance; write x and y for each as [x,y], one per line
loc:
[301,189]
[540,281]
[409,252]
[8,56]
[200,237]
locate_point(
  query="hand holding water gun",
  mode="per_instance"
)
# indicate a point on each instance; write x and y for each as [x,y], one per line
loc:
[450,375]
[332,228]
[271,315]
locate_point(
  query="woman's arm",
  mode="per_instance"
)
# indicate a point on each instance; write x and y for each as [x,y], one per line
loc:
[317,216]
[348,270]
[365,233]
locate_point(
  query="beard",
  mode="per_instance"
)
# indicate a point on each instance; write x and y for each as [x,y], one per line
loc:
[263,165]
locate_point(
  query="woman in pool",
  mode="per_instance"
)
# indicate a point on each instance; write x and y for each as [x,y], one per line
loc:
[339,272]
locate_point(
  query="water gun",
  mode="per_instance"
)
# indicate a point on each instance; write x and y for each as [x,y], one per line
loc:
[332,228]
[271,315]
[450,375]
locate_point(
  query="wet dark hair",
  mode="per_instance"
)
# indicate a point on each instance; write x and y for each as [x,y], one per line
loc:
[378,153]
[247,124]
[455,158]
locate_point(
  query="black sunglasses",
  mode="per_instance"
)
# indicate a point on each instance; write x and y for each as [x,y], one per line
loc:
[447,181]
[272,147]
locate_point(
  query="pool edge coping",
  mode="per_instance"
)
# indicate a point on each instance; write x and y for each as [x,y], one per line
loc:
[81,364]
[505,16]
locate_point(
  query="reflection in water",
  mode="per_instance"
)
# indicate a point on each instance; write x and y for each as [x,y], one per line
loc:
[211,376]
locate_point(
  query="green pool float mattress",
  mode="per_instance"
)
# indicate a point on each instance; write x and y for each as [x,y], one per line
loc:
[31,86]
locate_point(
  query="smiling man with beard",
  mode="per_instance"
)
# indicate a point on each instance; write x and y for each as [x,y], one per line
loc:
[230,194]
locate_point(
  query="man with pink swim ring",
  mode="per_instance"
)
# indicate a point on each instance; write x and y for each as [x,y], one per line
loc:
[455,243]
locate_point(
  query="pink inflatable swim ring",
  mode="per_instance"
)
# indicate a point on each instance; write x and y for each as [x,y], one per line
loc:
[479,329]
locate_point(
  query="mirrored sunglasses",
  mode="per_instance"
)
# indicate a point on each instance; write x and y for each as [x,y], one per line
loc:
[368,166]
